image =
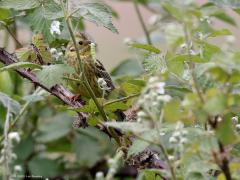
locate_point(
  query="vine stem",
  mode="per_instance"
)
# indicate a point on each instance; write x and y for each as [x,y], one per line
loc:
[191,65]
[85,80]
[81,65]
[142,22]
[11,33]
[121,99]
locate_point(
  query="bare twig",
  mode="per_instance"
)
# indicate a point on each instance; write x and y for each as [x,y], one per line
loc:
[142,22]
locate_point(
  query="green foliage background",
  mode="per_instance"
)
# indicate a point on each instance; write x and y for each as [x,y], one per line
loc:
[186,96]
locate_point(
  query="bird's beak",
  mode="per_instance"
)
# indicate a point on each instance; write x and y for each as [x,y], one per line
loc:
[87,42]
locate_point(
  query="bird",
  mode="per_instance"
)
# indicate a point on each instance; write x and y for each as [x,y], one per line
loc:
[94,70]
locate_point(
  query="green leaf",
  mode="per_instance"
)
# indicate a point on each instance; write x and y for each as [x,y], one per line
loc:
[21,65]
[130,88]
[154,63]
[147,47]
[19,4]
[53,74]
[137,147]
[24,148]
[216,104]
[96,13]
[54,128]
[4,13]
[225,132]
[90,107]
[231,3]
[43,167]
[90,145]
[33,98]
[222,32]
[13,105]
[172,111]
[129,126]
[52,10]
[175,12]
[40,23]
[115,106]
[194,58]
[128,68]
[224,17]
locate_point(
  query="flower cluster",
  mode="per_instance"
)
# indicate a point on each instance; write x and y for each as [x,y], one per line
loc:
[153,99]
[179,135]
[56,54]
[55,28]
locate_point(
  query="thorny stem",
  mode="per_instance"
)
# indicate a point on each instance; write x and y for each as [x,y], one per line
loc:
[191,64]
[142,21]
[121,99]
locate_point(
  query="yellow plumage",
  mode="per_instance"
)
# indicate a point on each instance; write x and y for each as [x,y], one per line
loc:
[92,70]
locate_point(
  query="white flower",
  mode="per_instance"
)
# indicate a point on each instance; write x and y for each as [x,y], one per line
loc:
[154,19]
[183,140]
[235,120]
[141,114]
[238,127]
[231,39]
[173,140]
[179,125]
[127,41]
[55,28]
[53,51]
[164,98]
[171,158]
[162,133]
[153,79]
[14,136]
[176,134]
[99,175]
[111,161]
[102,84]
[17,168]
[160,87]
[183,46]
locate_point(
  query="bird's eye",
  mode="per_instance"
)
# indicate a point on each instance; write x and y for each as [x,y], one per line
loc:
[80,42]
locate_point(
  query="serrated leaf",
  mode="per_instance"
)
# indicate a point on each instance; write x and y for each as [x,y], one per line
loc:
[13,105]
[40,23]
[154,63]
[53,74]
[53,10]
[147,47]
[19,4]
[96,13]
[21,65]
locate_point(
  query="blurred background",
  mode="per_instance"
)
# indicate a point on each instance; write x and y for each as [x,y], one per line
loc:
[111,47]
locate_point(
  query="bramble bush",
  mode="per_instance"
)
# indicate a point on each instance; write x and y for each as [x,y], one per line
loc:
[180,95]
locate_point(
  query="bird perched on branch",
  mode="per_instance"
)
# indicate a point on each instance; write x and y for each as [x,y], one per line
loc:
[97,76]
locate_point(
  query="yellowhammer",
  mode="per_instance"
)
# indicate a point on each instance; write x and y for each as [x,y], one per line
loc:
[93,70]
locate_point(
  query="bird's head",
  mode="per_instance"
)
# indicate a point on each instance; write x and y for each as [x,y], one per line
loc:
[83,43]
